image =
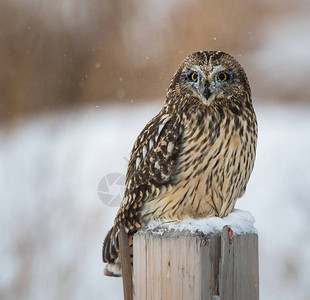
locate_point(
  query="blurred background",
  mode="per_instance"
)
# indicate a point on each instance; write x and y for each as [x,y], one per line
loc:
[79,80]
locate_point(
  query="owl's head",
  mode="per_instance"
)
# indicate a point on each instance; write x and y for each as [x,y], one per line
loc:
[210,77]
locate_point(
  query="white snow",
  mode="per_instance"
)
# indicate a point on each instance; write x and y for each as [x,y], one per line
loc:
[240,221]
[52,223]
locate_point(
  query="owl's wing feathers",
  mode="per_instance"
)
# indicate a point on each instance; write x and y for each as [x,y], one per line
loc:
[151,169]
[152,162]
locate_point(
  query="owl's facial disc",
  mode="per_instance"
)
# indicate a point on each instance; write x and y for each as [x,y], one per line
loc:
[209,84]
[199,84]
[220,79]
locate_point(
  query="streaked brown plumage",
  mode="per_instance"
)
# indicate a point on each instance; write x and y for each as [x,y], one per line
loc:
[194,159]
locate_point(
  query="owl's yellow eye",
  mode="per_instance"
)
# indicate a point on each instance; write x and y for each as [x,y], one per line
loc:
[222,76]
[194,77]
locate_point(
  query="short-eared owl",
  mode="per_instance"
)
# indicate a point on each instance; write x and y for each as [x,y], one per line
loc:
[194,159]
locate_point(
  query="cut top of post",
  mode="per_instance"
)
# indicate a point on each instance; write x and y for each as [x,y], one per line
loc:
[241,222]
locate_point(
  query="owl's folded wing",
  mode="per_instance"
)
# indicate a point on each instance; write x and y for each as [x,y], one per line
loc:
[152,165]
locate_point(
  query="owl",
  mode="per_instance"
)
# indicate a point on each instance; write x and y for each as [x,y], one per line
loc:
[195,158]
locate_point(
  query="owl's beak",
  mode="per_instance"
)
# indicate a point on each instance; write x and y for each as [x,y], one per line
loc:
[207,92]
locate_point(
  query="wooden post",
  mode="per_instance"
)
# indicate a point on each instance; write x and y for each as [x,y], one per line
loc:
[183,265]
[126,264]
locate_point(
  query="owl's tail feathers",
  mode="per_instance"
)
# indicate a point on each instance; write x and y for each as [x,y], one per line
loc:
[110,254]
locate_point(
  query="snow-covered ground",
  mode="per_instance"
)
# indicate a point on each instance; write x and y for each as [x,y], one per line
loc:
[53,223]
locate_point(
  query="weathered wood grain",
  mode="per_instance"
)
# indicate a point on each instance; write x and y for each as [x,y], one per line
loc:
[183,265]
[126,264]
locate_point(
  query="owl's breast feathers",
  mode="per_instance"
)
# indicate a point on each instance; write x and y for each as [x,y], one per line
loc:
[189,165]
[213,166]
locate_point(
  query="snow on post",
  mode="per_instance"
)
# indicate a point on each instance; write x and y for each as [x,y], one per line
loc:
[197,259]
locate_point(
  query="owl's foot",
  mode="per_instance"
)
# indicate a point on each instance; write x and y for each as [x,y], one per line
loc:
[230,234]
